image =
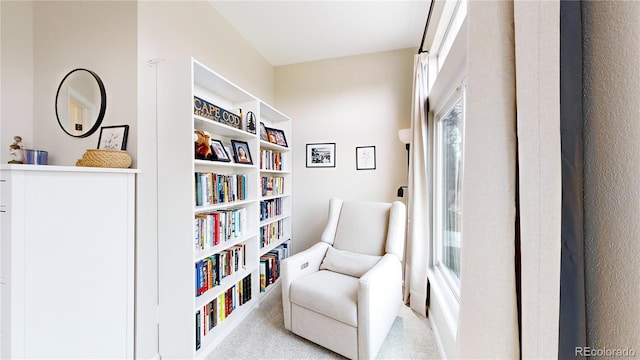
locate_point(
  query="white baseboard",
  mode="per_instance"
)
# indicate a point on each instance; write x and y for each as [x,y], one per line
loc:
[436,335]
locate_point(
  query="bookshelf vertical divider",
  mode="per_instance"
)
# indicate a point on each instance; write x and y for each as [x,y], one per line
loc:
[217,220]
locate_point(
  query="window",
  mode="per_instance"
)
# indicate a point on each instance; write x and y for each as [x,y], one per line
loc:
[449,130]
[447,91]
[458,17]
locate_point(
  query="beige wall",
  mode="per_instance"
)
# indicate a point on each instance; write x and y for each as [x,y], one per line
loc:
[612,172]
[16,73]
[42,41]
[352,101]
[72,34]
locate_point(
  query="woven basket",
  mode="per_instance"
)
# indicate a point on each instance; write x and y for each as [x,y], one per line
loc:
[105,158]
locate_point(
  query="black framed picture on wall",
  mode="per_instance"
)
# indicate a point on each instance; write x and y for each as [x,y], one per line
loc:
[365,158]
[321,155]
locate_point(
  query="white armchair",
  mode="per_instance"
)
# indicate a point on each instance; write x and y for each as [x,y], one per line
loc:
[345,292]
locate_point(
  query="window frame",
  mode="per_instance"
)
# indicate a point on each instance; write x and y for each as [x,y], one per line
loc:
[457,95]
[444,78]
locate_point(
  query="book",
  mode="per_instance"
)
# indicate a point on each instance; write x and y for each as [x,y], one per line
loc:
[198,330]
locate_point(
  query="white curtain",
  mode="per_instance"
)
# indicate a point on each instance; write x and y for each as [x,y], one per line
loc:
[417,246]
[512,120]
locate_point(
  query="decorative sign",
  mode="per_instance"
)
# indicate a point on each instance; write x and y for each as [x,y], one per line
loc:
[251,122]
[215,113]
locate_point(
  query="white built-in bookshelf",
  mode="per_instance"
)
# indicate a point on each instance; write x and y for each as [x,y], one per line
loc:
[222,226]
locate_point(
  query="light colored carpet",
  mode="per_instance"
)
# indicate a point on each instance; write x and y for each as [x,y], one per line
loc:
[262,336]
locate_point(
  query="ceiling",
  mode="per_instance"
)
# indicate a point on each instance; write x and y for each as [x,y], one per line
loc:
[288,32]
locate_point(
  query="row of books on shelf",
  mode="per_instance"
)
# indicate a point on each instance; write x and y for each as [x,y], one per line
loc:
[211,229]
[270,208]
[212,188]
[210,271]
[218,309]
[272,185]
[271,233]
[270,264]
[270,160]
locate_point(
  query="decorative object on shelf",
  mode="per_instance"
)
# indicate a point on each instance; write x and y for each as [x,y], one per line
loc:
[105,158]
[113,137]
[16,151]
[81,102]
[202,145]
[321,155]
[215,113]
[241,152]
[365,157]
[36,157]
[263,132]
[219,152]
[251,122]
[277,137]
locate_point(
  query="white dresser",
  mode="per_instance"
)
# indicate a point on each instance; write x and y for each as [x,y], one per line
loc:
[67,260]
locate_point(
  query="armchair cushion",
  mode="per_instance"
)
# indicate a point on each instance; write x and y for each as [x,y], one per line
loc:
[328,293]
[347,262]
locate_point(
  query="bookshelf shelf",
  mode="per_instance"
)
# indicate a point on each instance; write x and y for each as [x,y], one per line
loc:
[273,219]
[225,205]
[201,254]
[215,291]
[196,230]
[271,146]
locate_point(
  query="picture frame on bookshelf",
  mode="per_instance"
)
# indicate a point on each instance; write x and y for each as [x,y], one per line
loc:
[365,157]
[241,152]
[277,137]
[219,152]
[263,132]
[113,137]
[321,155]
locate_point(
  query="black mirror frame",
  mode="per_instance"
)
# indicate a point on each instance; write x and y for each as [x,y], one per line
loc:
[103,103]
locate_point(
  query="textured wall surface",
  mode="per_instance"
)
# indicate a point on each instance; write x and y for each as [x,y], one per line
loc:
[351,101]
[612,172]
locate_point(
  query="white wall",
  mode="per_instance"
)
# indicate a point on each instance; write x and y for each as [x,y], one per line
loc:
[612,172]
[352,101]
[16,73]
[170,30]
[96,35]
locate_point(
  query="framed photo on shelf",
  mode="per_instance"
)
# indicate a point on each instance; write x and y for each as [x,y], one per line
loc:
[113,137]
[365,157]
[263,132]
[241,152]
[219,152]
[277,137]
[321,155]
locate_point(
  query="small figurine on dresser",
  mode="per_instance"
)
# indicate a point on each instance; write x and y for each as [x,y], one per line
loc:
[16,151]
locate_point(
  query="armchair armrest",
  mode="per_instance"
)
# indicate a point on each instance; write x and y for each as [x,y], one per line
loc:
[296,266]
[379,301]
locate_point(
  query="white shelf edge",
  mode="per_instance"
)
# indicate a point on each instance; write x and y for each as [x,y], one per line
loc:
[271,220]
[225,284]
[272,146]
[204,253]
[231,164]
[277,172]
[271,197]
[220,206]
[272,246]
[61,168]
[225,130]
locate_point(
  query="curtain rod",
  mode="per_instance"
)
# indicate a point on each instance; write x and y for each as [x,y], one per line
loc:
[426,26]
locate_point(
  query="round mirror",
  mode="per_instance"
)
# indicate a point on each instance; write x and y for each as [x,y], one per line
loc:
[80,103]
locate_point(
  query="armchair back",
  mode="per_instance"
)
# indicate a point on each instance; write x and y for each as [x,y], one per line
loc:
[366,227]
